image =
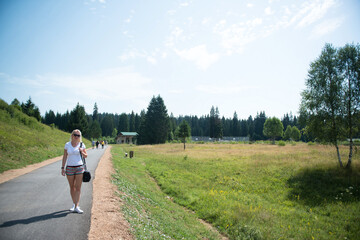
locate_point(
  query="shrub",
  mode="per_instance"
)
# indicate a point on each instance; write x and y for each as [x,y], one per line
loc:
[281,143]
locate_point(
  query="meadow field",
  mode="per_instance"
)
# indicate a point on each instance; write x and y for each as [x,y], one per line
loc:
[246,191]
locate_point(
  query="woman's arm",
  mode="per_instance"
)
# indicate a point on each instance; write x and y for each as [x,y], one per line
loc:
[83,152]
[64,162]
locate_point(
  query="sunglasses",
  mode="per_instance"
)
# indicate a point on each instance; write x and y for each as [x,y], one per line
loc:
[76,135]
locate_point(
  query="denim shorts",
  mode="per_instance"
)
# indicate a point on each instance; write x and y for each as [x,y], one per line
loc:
[74,170]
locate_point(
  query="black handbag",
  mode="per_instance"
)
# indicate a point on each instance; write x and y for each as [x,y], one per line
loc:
[86,174]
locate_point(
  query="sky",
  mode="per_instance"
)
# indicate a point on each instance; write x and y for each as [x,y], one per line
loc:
[242,56]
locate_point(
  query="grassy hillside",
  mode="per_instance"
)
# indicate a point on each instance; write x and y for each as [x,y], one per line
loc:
[24,141]
[255,191]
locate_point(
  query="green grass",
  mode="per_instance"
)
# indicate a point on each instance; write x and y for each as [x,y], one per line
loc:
[152,213]
[24,140]
[256,191]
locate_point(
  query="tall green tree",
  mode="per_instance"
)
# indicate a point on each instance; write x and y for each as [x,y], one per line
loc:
[183,131]
[30,109]
[16,103]
[123,123]
[78,120]
[49,117]
[295,134]
[216,128]
[259,126]
[235,125]
[287,133]
[132,122]
[155,127]
[273,128]
[212,122]
[349,67]
[323,99]
[107,125]
[95,130]
[95,115]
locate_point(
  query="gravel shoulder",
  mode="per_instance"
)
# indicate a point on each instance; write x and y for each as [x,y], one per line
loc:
[107,221]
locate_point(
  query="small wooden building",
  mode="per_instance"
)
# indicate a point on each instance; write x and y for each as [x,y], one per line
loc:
[126,138]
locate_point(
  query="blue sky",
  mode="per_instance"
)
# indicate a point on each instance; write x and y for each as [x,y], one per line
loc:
[244,56]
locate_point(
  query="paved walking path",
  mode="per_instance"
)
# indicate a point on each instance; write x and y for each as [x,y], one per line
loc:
[36,205]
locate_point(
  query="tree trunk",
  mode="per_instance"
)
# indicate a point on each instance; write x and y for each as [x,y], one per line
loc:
[184,144]
[338,154]
[348,165]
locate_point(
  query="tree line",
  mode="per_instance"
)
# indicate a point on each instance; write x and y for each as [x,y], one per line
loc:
[329,112]
[98,125]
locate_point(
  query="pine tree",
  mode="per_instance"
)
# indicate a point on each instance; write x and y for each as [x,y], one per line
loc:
[49,117]
[123,123]
[95,115]
[107,125]
[183,131]
[155,127]
[132,122]
[95,130]
[235,126]
[78,120]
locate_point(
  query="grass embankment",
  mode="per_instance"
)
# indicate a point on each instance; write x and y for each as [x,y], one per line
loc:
[24,140]
[247,191]
[151,212]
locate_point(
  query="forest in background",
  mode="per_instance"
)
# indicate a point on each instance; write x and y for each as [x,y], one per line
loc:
[108,125]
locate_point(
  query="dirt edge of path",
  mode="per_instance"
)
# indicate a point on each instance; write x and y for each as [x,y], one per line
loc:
[107,220]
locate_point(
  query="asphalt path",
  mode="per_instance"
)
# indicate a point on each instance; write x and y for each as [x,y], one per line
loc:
[36,205]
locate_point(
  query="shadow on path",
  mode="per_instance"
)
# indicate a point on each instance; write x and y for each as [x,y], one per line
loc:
[58,214]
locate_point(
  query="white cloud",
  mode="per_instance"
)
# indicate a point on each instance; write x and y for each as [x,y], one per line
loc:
[235,36]
[151,60]
[314,11]
[129,19]
[326,27]
[268,11]
[250,5]
[185,4]
[134,53]
[205,21]
[171,12]
[175,36]
[199,55]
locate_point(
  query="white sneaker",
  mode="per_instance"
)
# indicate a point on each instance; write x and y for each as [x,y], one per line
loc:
[78,210]
[73,208]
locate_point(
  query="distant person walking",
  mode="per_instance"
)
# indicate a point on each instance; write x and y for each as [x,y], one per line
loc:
[102,143]
[74,167]
[97,144]
[93,144]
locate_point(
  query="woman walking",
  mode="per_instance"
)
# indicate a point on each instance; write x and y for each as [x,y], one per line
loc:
[74,167]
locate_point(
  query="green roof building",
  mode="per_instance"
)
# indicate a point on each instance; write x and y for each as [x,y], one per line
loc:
[126,138]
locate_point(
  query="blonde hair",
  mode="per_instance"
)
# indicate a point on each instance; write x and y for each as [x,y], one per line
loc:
[76,130]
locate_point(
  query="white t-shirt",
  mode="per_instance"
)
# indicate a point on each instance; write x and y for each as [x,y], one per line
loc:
[73,158]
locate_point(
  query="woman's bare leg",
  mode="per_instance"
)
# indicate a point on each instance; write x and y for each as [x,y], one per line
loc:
[77,188]
[71,180]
